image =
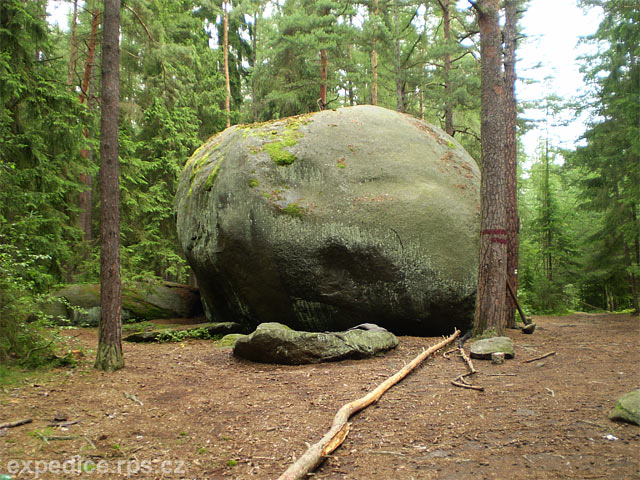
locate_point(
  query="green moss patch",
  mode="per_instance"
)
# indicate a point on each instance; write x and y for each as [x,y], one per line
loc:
[293,209]
[208,185]
[278,154]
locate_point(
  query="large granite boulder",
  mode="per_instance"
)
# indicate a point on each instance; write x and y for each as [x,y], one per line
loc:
[79,304]
[277,343]
[328,220]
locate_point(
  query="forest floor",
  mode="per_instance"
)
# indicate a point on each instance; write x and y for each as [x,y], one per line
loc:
[192,410]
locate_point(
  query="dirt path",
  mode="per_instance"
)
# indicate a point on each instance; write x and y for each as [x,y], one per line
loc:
[207,415]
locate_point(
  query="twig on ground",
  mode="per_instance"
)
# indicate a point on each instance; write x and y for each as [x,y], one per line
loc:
[63,424]
[15,424]
[458,383]
[42,347]
[539,358]
[460,380]
[133,398]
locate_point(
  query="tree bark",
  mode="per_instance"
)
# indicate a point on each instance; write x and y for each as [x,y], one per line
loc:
[400,106]
[225,48]
[446,27]
[323,79]
[511,153]
[109,356]
[72,47]
[254,94]
[85,217]
[490,300]
[316,453]
[374,60]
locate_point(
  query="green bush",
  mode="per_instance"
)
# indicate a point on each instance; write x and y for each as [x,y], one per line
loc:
[22,342]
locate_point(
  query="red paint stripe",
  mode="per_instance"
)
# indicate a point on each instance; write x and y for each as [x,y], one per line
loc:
[498,240]
[497,231]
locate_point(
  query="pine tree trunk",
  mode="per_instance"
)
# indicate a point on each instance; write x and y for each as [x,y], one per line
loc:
[400,107]
[448,106]
[490,300]
[323,79]
[109,356]
[225,48]
[548,237]
[511,153]
[254,95]
[72,47]
[85,217]
[374,62]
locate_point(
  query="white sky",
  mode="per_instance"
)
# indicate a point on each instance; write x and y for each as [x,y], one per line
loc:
[553,28]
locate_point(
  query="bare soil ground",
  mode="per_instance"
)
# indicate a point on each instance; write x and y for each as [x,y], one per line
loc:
[193,411]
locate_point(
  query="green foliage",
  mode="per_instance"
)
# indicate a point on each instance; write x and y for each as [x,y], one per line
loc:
[608,166]
[22,342]
[40,167]
[39,131]
[181,335]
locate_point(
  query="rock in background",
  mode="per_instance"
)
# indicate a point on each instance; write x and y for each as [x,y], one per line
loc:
[332,219]
[80,303]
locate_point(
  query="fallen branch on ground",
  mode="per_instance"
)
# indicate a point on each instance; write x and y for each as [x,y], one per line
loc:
[15,424]
[316,453]
[539,358]
[460,380]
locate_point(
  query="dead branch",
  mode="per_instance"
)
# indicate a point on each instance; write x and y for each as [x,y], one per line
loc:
[540,357]
[467,360]
[316,453]
[460,380]
[15,424]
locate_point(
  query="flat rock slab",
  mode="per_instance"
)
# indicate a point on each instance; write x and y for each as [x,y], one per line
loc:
[276,343]
[218,328]
[482,349]
[627,408]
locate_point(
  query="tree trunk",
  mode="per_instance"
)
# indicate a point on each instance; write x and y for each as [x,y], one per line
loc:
[400,106]
[72,47]
[490,300]
[254,95]
[323,79]
[225,48]
[374,61]
[85,217]
[448,106]
[109,356]
[511,153]
[635,261]
[548,236]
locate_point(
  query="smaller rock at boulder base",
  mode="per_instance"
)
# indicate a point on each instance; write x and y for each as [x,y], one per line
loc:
[229,340]
[627,408]
[276,343]
[482,349]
